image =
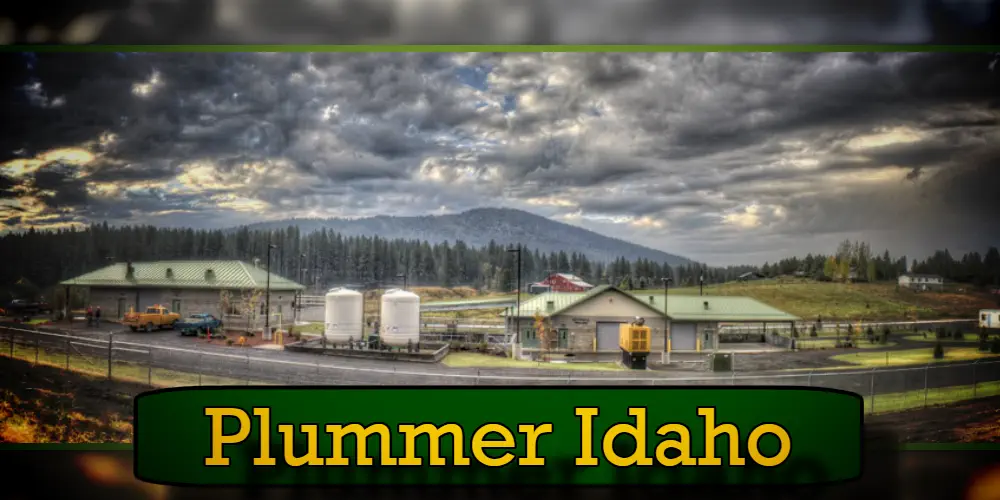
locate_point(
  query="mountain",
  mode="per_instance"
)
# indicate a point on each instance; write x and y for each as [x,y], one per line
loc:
[478,226]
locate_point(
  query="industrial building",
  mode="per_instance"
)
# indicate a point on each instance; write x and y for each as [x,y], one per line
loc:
[590,321]
[186,287]
[922,282]
[560,282]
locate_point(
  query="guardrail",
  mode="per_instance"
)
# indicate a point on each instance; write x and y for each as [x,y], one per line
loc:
[151,365]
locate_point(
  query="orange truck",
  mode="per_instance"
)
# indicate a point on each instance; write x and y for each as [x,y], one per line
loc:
[155,318]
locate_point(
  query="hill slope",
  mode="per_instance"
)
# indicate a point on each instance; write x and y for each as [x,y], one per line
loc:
[477,227]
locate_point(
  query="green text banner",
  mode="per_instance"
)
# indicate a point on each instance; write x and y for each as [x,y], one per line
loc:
[542,435]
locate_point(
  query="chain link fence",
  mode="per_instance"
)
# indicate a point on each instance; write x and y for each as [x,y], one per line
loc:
[140,367]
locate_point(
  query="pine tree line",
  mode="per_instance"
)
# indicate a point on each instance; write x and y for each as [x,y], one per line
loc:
[323,258]
[326,258]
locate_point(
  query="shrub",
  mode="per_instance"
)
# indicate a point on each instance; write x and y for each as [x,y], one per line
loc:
[812,331]
[795,332]
[229,341]
[870,333]
[942,333]
[995,345]
[850,330]
[938,350]
[958,335]
[885,334]
[984,346]
[983,335]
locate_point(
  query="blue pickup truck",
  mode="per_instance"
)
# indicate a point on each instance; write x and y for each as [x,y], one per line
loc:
[198,323]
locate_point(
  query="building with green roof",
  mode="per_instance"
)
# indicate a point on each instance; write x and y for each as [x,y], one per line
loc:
[185,286]
[589,321]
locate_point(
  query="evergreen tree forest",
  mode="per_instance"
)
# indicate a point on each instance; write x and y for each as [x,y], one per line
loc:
[324,259]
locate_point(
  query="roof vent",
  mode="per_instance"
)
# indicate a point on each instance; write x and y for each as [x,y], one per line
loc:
[550,305]
[170,273]
[129,271]
[706,305]
[650,299]
[209,275]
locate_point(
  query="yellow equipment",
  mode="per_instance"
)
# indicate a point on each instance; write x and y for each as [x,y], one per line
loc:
[634,341]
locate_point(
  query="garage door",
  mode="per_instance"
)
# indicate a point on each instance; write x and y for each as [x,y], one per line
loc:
[682,337]
[607,336]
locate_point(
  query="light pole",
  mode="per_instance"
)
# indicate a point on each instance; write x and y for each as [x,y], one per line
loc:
[517,317]
[298,300]
[666,318]
[267,294]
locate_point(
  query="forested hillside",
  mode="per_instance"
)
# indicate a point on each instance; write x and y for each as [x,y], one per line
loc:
[324,258]
[478,227]
[319,259]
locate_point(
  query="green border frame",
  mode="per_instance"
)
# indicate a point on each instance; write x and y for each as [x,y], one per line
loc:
[503,48]
[115,447]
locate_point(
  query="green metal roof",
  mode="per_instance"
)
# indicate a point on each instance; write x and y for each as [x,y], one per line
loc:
[460,302]
[679,307]
[720,308]
[227,274]
[564,301]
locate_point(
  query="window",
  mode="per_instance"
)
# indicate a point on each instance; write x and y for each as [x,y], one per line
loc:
[984,317]
[530,334]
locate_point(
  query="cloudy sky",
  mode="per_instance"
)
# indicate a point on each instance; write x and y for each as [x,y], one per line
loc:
[724,158]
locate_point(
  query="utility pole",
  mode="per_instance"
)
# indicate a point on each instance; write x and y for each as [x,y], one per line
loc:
[517,318]
[267,294]
[666,320]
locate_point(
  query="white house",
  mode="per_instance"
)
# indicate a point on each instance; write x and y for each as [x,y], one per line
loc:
[921,281]
[989,318]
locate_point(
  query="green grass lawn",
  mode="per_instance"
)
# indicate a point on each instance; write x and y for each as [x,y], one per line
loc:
[843,301]
[475,360]
[968,337]
[831,343]
[310,329]
[911,357]
[900,401]
[120,371]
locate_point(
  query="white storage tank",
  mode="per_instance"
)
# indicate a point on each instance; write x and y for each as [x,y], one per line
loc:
[344,316]
[400,318]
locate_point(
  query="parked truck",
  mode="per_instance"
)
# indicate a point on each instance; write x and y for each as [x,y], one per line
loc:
[198,323]
[155,318]
[21,307]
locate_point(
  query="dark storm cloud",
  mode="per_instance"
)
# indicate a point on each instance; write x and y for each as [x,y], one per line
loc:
[7,184]
[58,186]
[509,21]
[148,171]
[711,144]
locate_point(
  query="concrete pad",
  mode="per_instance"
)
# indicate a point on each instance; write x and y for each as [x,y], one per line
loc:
[749,348]
[273,347]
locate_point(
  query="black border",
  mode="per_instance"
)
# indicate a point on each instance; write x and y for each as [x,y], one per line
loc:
[136,422]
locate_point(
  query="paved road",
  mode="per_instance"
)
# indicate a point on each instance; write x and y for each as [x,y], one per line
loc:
[166,350]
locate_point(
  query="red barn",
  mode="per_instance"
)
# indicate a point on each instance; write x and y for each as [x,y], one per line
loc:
[561,282]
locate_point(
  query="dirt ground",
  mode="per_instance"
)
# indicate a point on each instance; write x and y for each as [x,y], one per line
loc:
[970,422]
[248,341]
[45,404]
